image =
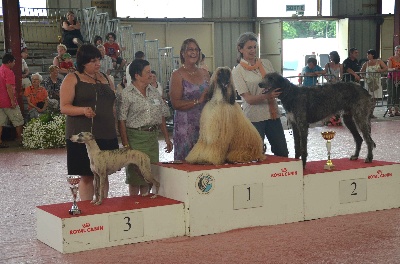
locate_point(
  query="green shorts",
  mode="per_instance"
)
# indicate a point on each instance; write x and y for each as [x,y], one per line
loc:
[14,114]
[146,142]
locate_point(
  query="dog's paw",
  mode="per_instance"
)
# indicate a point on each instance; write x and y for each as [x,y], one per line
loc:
[153,196]
[354,157]
[368,160]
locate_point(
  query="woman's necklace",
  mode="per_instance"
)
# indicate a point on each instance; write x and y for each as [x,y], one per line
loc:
[93,78]
[190,73]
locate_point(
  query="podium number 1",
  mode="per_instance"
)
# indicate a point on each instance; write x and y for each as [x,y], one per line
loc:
[247,196]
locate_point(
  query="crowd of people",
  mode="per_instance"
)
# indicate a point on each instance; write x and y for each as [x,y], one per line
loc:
[84,91]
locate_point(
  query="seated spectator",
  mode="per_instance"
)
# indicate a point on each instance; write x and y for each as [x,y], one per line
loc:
[36,96]
[71,33]
[67,63]
[156,84]
[106,63]
[113,50]
[311,72]
[25,70]
[61,50]
[98,40]
[52,84]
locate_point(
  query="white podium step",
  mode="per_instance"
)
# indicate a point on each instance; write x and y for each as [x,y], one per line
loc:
[118,221]
[225,197]
[353,187]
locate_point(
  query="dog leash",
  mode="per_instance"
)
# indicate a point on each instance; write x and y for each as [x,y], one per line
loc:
[95,107]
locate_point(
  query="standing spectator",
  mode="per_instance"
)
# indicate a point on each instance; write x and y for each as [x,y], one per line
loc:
[87,98]
[261,109]
[188,90]
[202,63]
[36,96]
[139,55]
[8,98]
[393,83]
[141,114]
[61,50]
[156,84]
[311,72]
[113,50]
[334,69]
[351,67]
[373,68]
[106,63]
[71,36]
[52,84]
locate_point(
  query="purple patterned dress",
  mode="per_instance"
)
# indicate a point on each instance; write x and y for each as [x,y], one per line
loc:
[187,123]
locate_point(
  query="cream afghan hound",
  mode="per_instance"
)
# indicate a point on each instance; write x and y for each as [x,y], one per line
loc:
[226,134]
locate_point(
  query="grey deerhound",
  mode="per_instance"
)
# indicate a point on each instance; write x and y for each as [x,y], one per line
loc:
[106,162]
[306,105]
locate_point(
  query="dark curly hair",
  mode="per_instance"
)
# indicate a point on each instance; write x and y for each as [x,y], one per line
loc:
[85,54]
[112,34]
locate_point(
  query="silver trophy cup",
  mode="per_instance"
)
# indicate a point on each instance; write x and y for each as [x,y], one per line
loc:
[73,181]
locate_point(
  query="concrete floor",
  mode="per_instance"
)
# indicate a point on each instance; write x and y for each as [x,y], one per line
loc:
[35,177]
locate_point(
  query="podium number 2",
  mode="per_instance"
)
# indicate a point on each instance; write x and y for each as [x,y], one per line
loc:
[355,187]
[353,190]
[128,220]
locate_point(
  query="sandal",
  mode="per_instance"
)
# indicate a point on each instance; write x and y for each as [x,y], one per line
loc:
[3,145]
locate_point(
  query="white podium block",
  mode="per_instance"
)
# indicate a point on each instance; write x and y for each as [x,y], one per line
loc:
[225,197]
[118,221]
[353,187]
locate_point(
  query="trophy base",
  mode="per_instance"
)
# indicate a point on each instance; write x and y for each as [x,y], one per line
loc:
[74,211]
[329,167]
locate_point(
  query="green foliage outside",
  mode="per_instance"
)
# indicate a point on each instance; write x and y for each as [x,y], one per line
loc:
[315,29]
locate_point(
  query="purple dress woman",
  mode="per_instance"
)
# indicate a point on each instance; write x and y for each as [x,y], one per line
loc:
[187,123]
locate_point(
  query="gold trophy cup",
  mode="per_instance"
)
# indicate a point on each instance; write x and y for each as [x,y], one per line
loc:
[73,181]
[328,136]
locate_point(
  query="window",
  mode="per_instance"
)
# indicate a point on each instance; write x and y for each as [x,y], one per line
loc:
[279,8]
[159,9]
[30,8]
[388,7]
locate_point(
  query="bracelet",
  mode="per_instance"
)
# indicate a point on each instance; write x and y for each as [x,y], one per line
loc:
[126,146]
[195,102]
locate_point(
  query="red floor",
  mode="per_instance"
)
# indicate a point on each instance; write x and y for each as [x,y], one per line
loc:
[32,178]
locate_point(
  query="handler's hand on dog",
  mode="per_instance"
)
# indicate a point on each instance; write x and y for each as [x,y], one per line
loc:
[88,112]
[275,93]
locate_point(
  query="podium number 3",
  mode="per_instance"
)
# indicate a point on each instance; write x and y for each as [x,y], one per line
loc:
[128,220]
[355,187]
